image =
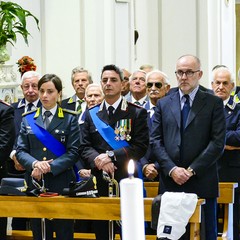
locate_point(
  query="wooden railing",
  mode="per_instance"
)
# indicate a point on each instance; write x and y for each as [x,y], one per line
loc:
[103,208]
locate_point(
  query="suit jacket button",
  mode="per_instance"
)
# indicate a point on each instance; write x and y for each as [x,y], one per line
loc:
[44,149]
[44,159]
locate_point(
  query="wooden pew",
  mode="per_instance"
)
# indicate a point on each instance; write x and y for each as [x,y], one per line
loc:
[226,197]
[79,208]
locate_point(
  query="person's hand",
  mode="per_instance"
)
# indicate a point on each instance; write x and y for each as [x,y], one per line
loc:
[180,175]
[17,165]
[150,171]
[84,173]
[101,160]
[43,166]
[109,168]
[228,147]
[37,174]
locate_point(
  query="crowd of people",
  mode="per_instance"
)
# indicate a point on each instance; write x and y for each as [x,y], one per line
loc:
[187,138]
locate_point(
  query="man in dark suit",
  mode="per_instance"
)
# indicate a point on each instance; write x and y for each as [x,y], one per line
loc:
[30,101]
[229,163]
[80,78]
[127,136]
[6,143]
[157,87]
[188,138]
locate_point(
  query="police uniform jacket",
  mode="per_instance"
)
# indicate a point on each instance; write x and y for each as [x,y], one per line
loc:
[64,128]
[229,163]
[92,143]
[6,134]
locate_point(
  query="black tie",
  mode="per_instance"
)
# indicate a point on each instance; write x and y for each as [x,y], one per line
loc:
[185,110]
[29,107]
[47,114]
[110,112]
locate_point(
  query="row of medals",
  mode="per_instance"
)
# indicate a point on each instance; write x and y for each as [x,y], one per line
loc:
[122,130]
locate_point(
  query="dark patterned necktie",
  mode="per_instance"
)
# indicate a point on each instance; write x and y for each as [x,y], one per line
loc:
[46,121]
[185,110]
[79,108]
[29,107]
[110,112]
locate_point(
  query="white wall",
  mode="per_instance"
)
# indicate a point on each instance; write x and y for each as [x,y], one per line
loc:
[92,33]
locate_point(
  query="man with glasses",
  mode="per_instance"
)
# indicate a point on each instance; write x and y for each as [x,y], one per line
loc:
[29,102]
[138,88]
[188,138]
[157,87]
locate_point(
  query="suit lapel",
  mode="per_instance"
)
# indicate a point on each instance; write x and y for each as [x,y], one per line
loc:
[175,107]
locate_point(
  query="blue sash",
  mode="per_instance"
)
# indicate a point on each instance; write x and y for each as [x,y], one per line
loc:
[106,131]
[48,140]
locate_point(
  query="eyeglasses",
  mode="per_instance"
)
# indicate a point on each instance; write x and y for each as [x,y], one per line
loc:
[188,73]
[156,84]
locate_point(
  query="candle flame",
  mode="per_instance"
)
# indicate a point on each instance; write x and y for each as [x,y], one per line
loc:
[131,168]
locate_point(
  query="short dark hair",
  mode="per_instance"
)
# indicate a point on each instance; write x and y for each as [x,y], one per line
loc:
[51,78]
[114,68]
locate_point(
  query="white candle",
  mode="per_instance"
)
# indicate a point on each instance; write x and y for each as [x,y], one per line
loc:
[132,206]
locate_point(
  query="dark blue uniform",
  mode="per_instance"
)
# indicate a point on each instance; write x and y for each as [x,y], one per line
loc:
[64,127]
[7,137]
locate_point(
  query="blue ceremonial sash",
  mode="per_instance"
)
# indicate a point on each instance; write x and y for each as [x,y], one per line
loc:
[107,132]
[48,140]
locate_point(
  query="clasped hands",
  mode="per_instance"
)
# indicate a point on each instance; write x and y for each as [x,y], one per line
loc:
[40,168]
[103,162]
[150,171]
[181,175]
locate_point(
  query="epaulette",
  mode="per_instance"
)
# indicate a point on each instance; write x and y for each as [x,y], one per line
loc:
[5,103]
[134,104]
[70,111]
[26,113]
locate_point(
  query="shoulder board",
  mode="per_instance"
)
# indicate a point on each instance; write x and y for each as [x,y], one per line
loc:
[133,104]
[26,113]
[5,103]
[69,111]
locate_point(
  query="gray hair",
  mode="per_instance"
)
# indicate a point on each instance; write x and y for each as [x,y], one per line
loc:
[165,77]
[79,70]
[139,70]
[222,68]
[30,74]
[94,85]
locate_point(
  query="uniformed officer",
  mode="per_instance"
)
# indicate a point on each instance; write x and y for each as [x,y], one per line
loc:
[6,142]
[48,148]
[114,132]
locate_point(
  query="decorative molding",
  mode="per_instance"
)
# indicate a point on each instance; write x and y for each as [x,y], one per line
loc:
[8,83]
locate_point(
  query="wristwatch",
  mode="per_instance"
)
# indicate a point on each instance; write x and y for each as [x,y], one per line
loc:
[191,170]
[111,155]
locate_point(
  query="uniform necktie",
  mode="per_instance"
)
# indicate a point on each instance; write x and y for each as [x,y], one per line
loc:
[29,107]
[79,107]
[185,110]
[110,112]
[46,122]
